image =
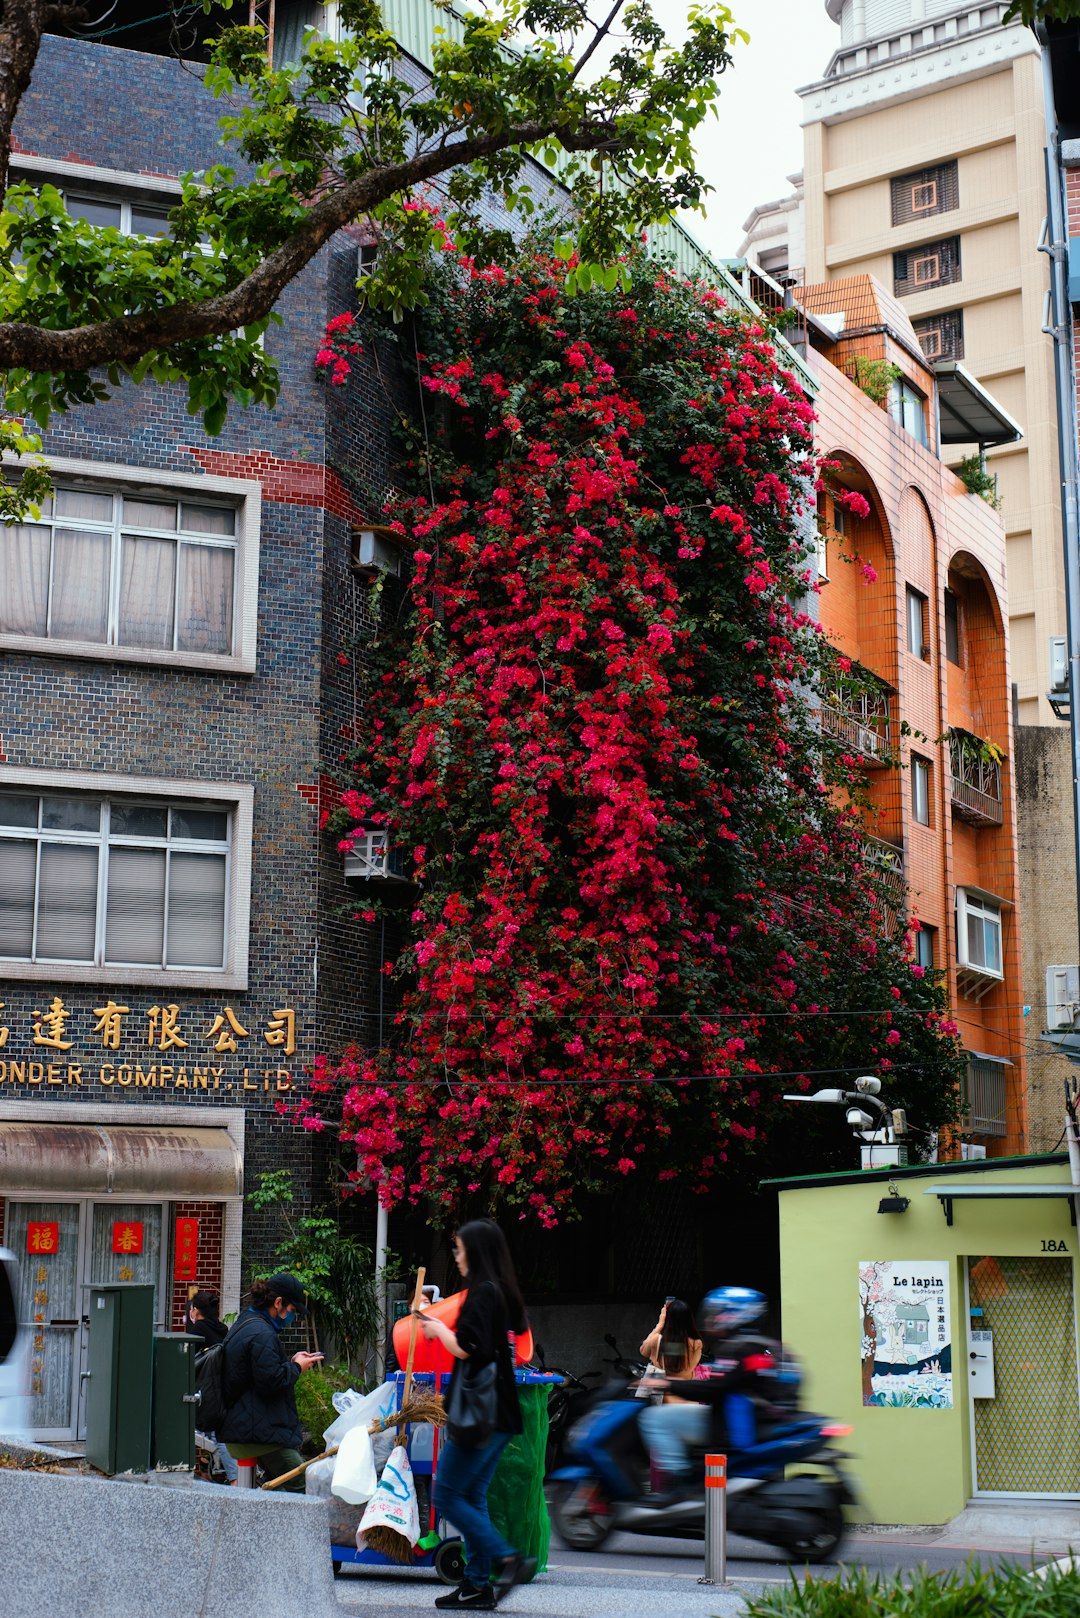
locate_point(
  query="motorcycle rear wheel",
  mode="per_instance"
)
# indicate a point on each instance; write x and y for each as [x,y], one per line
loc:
[822,1542]
[582,1514]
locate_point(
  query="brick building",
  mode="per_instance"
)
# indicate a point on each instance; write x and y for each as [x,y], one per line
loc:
[175,690]
[178,684]
[924,611]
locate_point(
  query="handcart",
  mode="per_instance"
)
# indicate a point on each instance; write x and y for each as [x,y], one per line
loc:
[435,1549]
[440,1547]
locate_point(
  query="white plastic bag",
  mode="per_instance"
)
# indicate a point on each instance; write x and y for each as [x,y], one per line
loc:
[318,1478]
[355,1479]
[363,1409]
[393,1505]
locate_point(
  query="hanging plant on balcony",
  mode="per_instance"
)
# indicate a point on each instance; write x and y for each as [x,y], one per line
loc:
[642,898]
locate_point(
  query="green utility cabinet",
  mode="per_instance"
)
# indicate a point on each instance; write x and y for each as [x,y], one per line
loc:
[120,1359]
[173,1439]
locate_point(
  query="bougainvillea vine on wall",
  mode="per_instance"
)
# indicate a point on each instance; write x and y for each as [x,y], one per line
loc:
[640,891]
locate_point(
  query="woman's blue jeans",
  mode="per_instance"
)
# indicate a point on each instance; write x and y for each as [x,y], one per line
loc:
[462,1480]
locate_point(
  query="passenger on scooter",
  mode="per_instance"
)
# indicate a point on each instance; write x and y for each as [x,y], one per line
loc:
[743,1379]
[673,1350]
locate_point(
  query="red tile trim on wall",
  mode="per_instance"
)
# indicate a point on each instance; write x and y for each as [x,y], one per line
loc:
[211,1217]
[295,483]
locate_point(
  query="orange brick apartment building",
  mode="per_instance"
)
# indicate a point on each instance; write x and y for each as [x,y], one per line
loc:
[927,617]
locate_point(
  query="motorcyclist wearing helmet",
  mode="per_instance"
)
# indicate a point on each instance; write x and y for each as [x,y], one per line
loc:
[746,1374]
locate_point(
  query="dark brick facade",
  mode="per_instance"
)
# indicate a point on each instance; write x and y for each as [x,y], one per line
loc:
[321,460]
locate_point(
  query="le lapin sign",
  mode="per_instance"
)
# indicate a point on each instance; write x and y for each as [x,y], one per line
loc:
[193,1049]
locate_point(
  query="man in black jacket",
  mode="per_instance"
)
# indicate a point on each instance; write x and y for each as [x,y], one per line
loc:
[261,1422]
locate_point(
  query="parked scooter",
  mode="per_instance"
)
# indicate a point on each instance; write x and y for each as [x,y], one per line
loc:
[603,1484]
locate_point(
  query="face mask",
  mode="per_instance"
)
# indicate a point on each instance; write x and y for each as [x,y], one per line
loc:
[288,1317]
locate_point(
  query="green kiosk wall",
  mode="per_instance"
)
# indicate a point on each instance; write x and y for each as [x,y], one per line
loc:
[875,1304]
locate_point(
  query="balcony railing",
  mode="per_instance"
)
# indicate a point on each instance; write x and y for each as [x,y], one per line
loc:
[975,783]
[863,723]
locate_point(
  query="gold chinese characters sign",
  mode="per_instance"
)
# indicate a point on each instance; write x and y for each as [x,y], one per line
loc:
[195,1046]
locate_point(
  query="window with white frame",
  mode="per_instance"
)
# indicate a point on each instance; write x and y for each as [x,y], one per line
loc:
[907,406]
[924,947]
[131,217]
[102,881]
[918,623]
[920,789]
[134,569]
[978,933]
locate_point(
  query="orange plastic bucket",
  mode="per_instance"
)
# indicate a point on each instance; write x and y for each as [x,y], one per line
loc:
[433,1356]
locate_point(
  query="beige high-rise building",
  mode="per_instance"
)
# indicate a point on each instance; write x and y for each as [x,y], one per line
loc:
[923,165]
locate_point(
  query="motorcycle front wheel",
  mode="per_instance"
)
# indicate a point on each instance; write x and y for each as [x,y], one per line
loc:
[582,1514]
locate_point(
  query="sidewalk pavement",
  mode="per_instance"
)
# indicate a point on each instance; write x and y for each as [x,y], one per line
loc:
[561,1592]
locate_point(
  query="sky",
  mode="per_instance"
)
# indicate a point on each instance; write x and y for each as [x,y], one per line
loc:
[747,152]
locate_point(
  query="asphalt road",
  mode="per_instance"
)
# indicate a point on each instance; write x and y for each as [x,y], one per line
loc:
[635,1578]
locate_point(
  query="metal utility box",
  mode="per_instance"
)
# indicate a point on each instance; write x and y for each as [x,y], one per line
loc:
[120,1357]
[981,1364]
[173,1433]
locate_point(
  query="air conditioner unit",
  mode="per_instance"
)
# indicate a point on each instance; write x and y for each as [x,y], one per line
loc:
[970,1153]
[869,740]
[373,860]
[1062,996]
[374,552]
[1059,663]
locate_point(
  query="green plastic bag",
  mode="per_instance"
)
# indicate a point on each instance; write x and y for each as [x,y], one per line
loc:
[516,1497]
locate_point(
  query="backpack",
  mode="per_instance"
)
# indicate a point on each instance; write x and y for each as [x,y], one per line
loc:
[210,1388]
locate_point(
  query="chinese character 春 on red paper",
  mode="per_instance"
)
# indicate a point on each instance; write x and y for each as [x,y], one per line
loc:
[43,1236]
[187,1249]
[127,1236]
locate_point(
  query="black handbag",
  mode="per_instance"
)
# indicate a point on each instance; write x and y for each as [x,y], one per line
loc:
[471,1411]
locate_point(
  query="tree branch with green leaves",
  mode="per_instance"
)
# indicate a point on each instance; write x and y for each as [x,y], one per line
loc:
[348,135]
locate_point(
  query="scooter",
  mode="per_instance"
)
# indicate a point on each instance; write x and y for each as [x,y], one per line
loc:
[601,1488]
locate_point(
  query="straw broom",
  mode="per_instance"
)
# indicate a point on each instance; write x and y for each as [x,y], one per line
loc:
[383,1539]
[426,1406]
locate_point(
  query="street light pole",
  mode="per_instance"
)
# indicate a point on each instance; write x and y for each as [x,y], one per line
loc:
[382,1227]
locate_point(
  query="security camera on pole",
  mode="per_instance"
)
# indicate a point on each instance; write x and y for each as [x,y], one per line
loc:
[883,1132]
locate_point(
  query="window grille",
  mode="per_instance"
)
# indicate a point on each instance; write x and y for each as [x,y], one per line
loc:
[935,264]
[941,337]
[924,192]
[984,1094]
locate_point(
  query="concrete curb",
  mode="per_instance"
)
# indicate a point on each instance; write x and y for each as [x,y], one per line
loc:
[79,1547]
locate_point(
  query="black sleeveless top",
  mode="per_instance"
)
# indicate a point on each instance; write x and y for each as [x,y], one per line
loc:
[483,1332]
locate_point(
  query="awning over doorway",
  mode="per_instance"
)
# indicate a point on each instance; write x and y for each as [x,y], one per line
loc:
[1026,1189]
[122,1160]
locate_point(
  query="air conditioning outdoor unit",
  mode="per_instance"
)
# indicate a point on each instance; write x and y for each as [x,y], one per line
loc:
[868,740]
[1062,996]
[374,551]
[1059,663]
[373,860]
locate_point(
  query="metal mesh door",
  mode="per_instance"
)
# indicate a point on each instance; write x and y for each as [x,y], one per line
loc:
[1027,1437]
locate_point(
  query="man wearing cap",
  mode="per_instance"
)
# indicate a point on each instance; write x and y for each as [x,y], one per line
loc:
[261,1422]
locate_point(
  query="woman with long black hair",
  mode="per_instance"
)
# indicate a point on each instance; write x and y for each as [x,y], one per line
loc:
[492,1315]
